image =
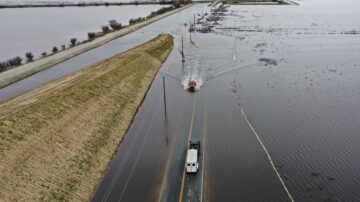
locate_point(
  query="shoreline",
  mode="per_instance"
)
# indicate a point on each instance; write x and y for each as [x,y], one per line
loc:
[15,74]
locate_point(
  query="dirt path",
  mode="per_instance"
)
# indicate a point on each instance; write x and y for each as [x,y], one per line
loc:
[26,70]
[56,141]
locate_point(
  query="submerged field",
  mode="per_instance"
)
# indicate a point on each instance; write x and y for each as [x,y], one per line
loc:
[33,31]
[56,141]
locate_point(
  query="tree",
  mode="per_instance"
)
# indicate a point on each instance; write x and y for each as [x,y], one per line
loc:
[105,29]
[63,47]
[91,35]
[73,41]
[177,4]
[17,60]
[29,56]
[55,49]
[115,25]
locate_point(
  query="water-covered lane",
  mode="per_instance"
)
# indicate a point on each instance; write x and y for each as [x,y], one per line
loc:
[295,77]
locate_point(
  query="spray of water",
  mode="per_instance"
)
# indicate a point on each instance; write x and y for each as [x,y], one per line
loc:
[195,76]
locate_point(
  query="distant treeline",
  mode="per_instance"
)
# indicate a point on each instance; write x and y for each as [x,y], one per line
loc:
[84,4]
[155,13]
[113,25]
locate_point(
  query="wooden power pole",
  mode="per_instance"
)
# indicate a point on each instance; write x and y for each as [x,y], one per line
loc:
[182,49]
[164,95]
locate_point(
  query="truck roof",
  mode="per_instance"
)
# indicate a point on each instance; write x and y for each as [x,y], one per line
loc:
[192,155]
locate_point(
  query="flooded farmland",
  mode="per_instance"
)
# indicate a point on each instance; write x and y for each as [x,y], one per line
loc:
[55,1]
[39,29]
[296,78]
[304,97]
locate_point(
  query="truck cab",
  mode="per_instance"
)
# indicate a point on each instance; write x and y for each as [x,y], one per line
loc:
[195,144]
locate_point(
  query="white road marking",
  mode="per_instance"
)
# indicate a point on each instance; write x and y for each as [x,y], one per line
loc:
[204,153]
[189,138]
[140,151]
[122,164]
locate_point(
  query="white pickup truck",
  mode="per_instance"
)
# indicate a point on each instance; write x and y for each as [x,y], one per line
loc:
[192,164]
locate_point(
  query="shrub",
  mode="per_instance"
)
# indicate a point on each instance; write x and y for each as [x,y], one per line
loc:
[115,25]
[29,56]
[163,10]
[137,20]
[91,35]
[44,54]
[63,47]
[177,4]
[105,29]
[55,49]
[16,61]
[73,41]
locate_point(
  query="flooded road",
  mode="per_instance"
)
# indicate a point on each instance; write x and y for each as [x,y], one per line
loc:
[292,89]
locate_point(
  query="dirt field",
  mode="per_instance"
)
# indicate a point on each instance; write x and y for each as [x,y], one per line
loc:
[56,141]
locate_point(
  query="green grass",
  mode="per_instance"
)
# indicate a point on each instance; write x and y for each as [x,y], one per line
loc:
[161,49]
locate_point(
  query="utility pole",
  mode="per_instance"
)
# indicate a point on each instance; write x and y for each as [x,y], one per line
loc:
[182,49]
[164,95]
[190,31]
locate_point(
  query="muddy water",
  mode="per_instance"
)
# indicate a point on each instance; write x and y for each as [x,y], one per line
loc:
[295,77]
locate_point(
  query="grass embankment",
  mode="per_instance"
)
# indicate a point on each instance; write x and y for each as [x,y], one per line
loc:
[56,141]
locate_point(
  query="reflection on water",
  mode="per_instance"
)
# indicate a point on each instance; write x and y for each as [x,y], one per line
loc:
[39,29]
[303,95]
[296,77]
[55,1]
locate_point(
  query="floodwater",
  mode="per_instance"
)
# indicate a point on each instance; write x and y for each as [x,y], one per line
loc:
[55,1]
[305,105]
[39,29]
[294,80]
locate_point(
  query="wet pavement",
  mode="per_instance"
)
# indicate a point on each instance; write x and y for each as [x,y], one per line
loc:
[291,94]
